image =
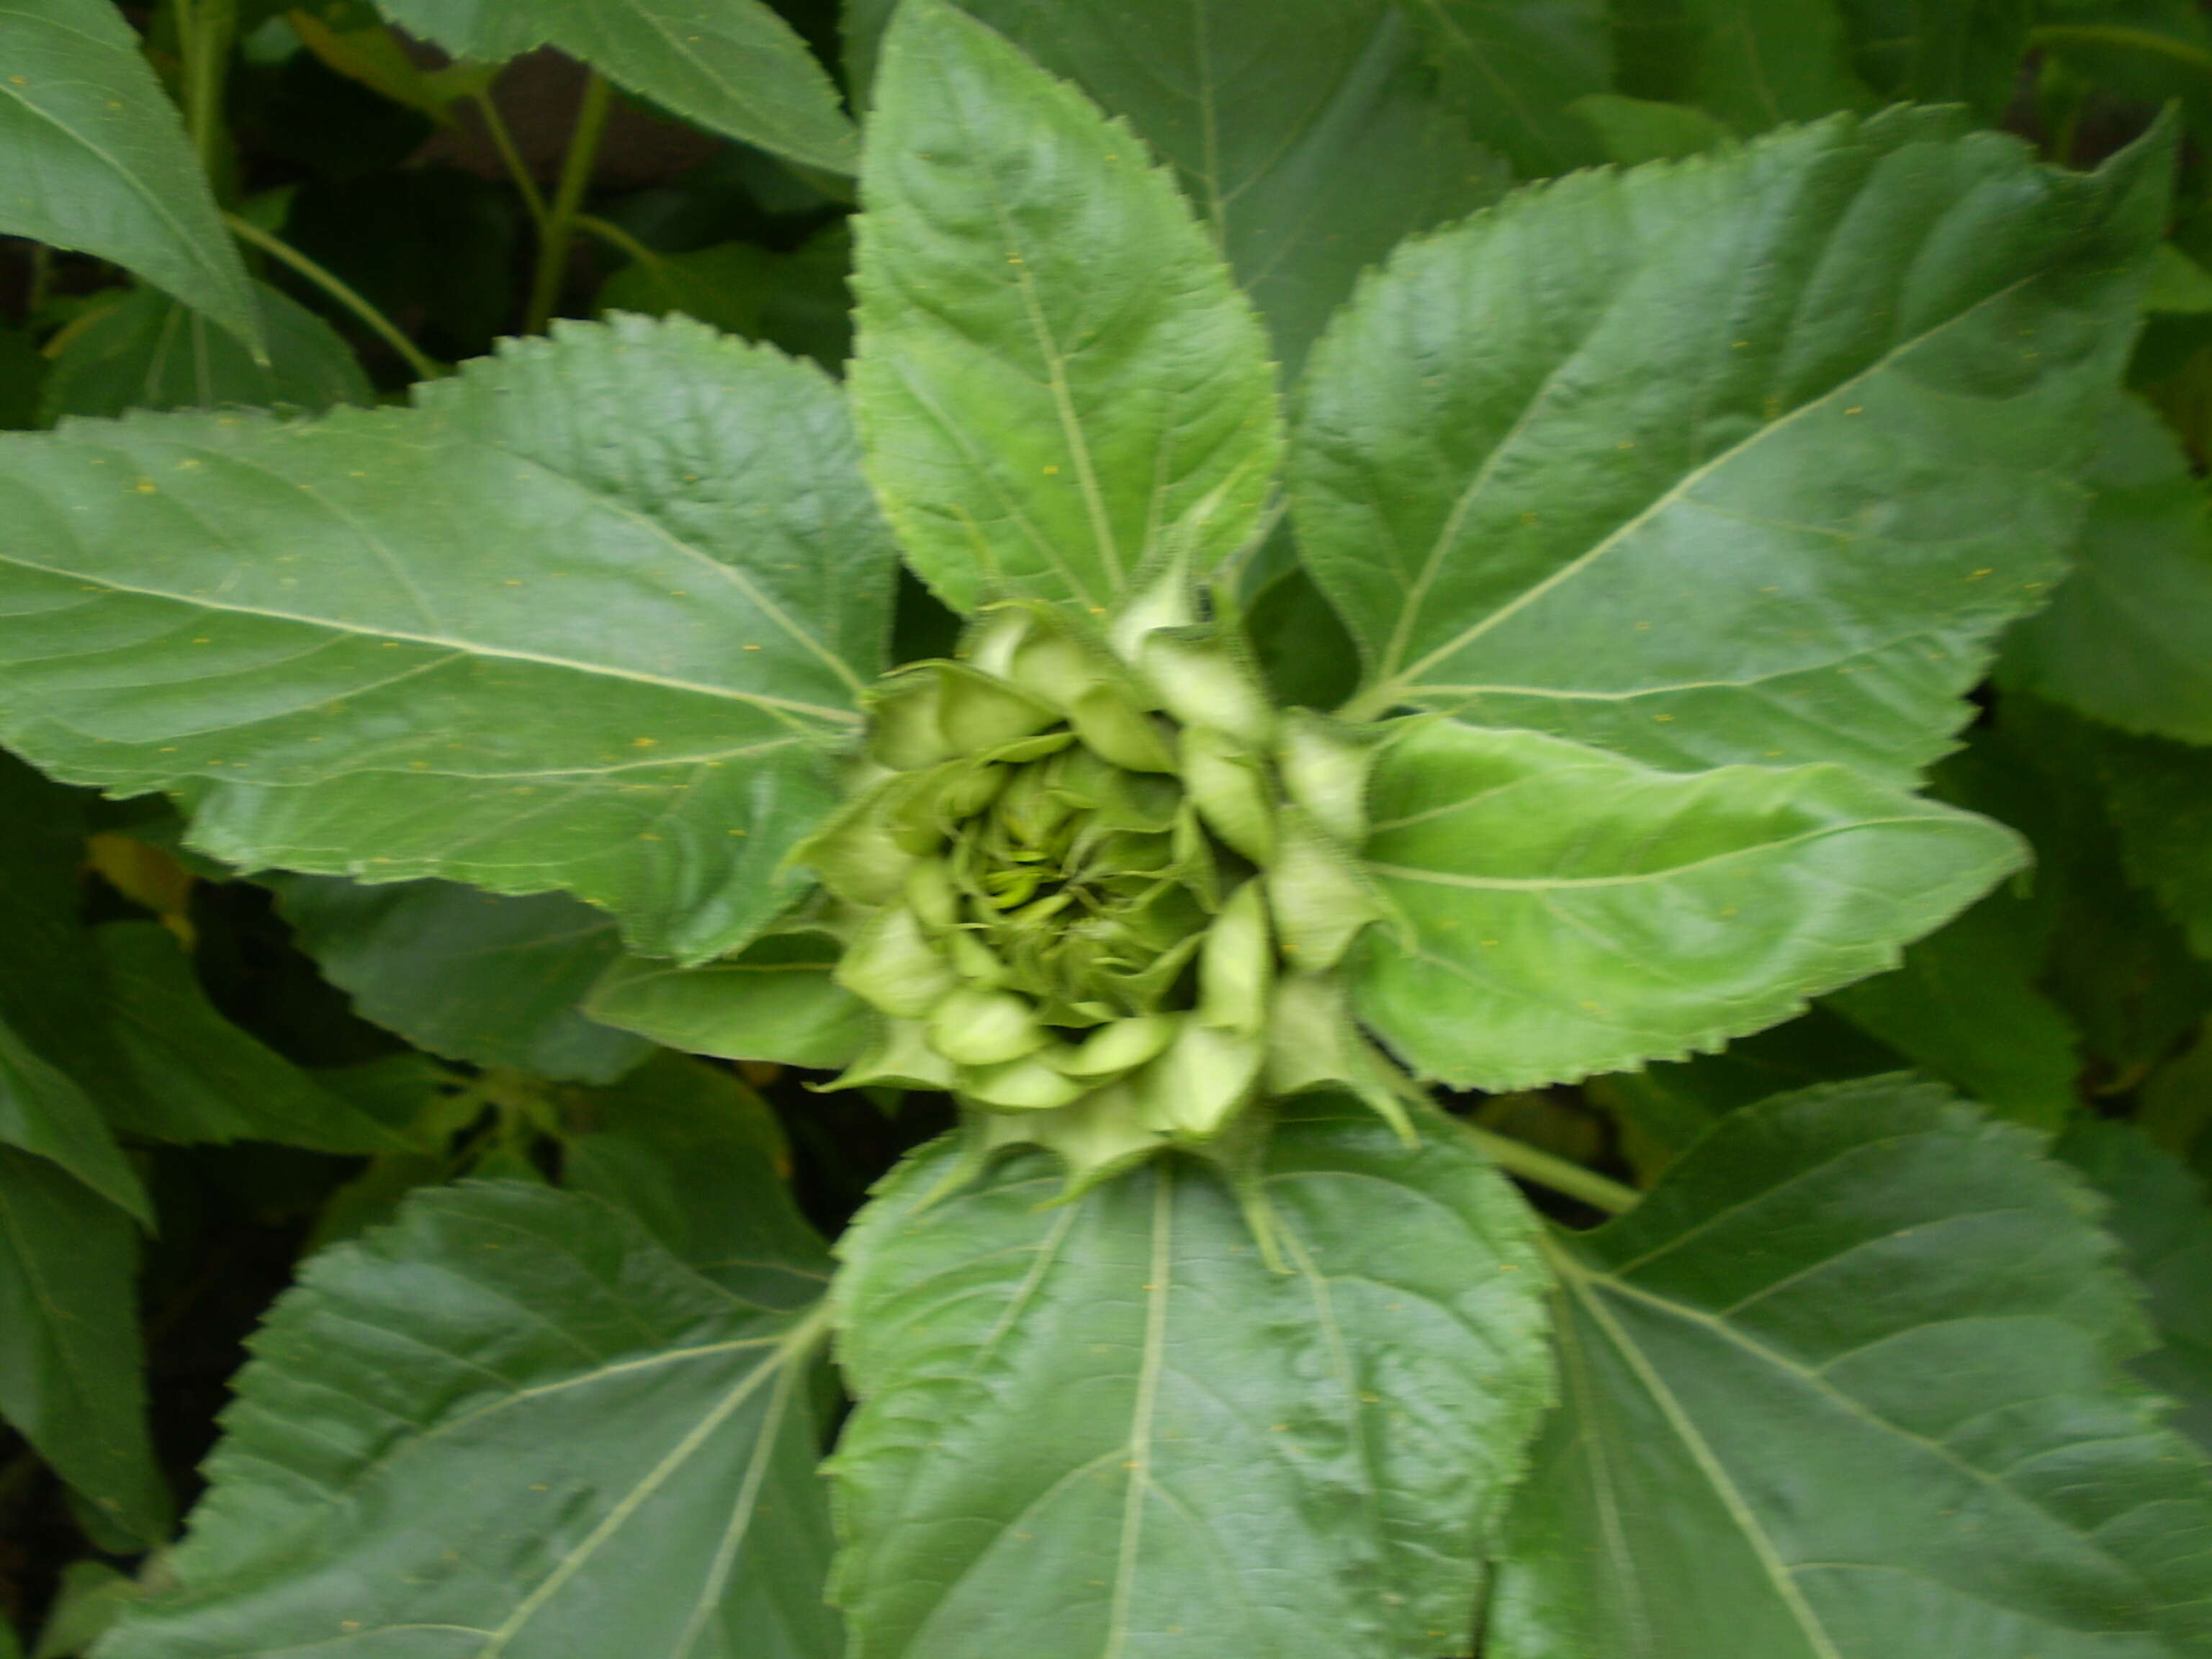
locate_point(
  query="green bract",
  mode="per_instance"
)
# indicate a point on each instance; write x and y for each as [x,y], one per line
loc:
[1086,885]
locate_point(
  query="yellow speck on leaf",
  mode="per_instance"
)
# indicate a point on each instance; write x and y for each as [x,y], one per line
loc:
[645,743]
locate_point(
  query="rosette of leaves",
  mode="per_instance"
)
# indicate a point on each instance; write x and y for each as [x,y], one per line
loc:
[1108,895]
[1670,513]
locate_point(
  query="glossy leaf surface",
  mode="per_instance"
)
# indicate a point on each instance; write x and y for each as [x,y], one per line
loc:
[1568,911]
[2127,637]
[467,974]
[1568,468]
[509,1423]
[590,616]
[1058,386]
[1108,1428]
[1847,1385]
[99,159]
[1309,134]
[730,65]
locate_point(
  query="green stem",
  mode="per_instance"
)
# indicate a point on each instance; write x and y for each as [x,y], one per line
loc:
[425,367]
[2126,39]
[1519,1158]
[206,29]
[504,141]
[42,279]
[568,196]
[615,237]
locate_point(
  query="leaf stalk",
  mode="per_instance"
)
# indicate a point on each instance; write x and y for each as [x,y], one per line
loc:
[560,225]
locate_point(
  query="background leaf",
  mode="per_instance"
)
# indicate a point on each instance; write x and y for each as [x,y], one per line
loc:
[1059,387]
[1639,503]
[732,66]
[774,1001]
[1309,135]
[101,159]
[1567,911]
[1846,1384]
[465,974]
[548,1433]
[591,616]
[150,352]
[1117,1397]
[70,1370]
[1513,66]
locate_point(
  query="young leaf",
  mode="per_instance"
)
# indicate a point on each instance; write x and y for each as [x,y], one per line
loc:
[774,1001]
[1059,387]
[1568,467]
[550,1435]
[1108,1428]
[1513,66]
[699,1158]
[2127,637]
[197,1078]
[590,616]
[43,1111]
[1570,912]
[69,1370]
[2159,1214]
[150,352]
[1308,134]
[465,974]
[1847,1382]
[99,160]
[730,65]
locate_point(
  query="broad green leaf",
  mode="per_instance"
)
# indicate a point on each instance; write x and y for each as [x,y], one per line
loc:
[43,1111]
[1107,1429]
[1633,130]
[590,616]
[1964,1007]
[92,1595]
[1567,467]
[1308,134]
[730,65]
[198,1078]
[698,1157]
[2161,797]
[2179,286]
[99,160]
[1753,64]
[2159,1216]
[1941,52]
[799,301]
[466,974]
[2128,636]
[1847,1384]
[69,1370]
[511,1423]
[1566,911]
[773,1001]
[150,352]
[1060,389]
[1513,66]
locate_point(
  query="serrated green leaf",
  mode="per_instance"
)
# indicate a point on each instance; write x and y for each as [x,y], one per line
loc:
[730,65]
[2161,797]
[150,352]
[699,1158]
[69,1370]
[101,161]
[799,301]
[2159,1214]
[773,1001]
[510,1423]
[1107,1430]
[2128,636]
[1307,133]
[199,1079]
[1513,66]
[1059,387]
[1847,1385]
[590,616]
[1570,912]
[466,974]
[1562,468]
[1964,1007]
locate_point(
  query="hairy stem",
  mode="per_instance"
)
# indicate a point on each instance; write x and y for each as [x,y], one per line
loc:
[1518,1158]
[560,222]
[425,367]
